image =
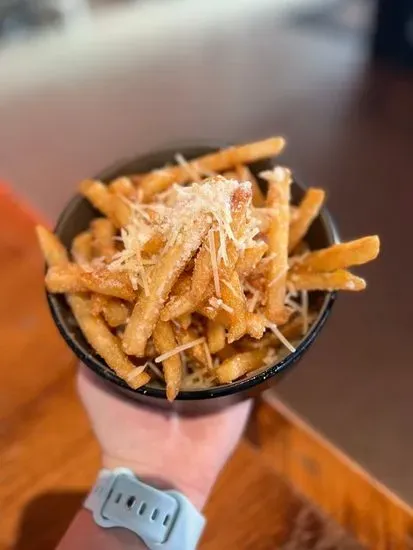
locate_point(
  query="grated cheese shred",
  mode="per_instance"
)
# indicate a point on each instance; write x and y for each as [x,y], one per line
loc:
[178,349]
[273,327]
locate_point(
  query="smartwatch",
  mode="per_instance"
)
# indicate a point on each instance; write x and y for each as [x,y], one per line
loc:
[164,520]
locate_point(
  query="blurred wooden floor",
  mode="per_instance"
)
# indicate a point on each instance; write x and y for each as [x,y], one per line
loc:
[49,458]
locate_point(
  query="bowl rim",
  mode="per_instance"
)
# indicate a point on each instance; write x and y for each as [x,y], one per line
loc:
[238,386]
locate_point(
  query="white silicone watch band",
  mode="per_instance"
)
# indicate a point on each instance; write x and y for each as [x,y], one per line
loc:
[164,520]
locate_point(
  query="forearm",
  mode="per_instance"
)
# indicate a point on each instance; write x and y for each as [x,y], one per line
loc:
[85,534]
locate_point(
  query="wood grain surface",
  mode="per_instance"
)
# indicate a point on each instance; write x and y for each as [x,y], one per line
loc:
[324,474]
[49,458]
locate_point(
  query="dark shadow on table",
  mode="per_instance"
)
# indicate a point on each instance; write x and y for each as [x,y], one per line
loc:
[45,520]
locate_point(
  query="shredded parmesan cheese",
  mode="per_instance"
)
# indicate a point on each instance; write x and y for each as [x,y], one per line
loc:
[217,303]
[273,327]
[178,349]
[155,370]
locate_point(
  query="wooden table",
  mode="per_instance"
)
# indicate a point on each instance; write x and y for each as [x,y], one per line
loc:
[49,458]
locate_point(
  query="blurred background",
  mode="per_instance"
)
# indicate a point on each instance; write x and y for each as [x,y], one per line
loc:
[85,83]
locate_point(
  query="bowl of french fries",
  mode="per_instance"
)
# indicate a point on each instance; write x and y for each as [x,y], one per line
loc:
[196,273]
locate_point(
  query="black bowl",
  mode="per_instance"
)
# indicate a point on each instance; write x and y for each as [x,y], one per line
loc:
[76,217]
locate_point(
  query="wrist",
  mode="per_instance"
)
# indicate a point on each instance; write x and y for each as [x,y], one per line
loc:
[166,477]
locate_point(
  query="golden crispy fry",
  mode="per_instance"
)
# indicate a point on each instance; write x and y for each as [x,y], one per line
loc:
[304,216]
[82,252]
[279,199]
[230,175]
[292,330]
[105,343]
[256,325]
[162,278]
[123,187]
[220,161]
[240,364]
[111,205]
[164,340]
[248,261]
[115,312]
[103,232]
[233,297]
[72,278]
[185,320]
[294,214]
[180,303]
[241,200]
[340,256]
[203,275]
[154,245]
[182,285]
[335,280]
[53,251]
[198,352]
[244,174]
[215,336]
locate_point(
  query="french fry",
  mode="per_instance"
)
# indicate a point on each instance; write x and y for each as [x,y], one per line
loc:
[256,325]
[82,252]
[335,280]
[164,340]
[94,329]
[72,278]
[115,312]
[154,245]
[279,183]
[304,216]
[53,251]
[185,320]
[220,161]
[106,202]
[123,187]
[198,352]
[233,297]
[103,232]
[244,174]
[215,336]
[203,275]
[180,302]
[230,175]
[340,256]
[251,257]
[105,343]
[238,365]
[162,278]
